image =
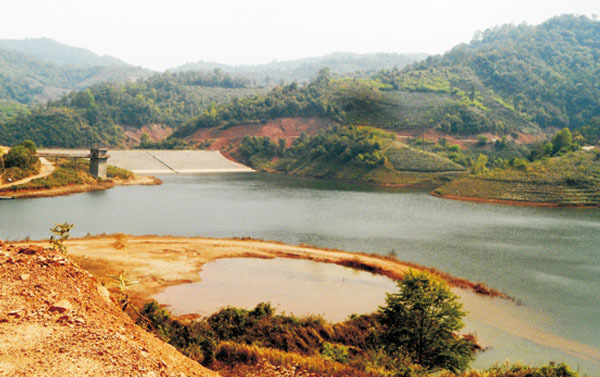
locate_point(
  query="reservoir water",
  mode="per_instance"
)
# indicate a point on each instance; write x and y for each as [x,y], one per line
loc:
[547,258]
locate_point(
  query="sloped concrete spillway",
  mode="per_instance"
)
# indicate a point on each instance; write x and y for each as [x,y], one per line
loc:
[141,161]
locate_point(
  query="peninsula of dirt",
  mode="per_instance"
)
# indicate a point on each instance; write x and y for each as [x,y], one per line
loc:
[157,262]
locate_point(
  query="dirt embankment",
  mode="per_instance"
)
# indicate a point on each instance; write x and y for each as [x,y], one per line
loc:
[76,189]
[284,128]
[57,320]
[157,262]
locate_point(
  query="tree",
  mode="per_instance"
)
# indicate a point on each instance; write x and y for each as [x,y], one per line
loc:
[480,166]
[20,156]
[421,321]
[563,140]
[30,145]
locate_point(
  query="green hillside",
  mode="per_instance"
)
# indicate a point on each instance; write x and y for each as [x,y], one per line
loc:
[522,78]
[357,154]
[572,179]
[509,77]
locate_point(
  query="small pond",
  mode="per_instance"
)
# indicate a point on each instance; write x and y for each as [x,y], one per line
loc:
[295,286]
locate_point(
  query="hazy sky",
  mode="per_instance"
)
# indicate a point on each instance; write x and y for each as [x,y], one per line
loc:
[165,34]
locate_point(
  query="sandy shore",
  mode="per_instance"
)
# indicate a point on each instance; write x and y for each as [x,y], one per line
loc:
[76,189]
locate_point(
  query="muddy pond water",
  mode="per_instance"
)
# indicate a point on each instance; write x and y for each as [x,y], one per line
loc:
[548,258]
[299,287]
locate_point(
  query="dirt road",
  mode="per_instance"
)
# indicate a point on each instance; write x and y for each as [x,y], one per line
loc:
[46,169]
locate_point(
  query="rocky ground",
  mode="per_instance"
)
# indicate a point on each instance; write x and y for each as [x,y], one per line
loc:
[57,320]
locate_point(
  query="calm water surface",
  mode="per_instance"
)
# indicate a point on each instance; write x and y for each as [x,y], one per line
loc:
[547,258]
[300,287]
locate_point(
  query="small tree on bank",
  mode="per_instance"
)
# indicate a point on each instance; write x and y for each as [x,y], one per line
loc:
[421,321]
[60,233]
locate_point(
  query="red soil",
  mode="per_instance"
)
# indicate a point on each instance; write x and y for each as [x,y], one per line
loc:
[286,128]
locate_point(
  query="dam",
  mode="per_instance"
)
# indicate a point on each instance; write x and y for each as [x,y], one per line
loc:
[144,161]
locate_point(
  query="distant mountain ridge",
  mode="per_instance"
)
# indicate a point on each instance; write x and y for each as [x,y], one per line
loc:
[37,70]
[51,51]
[302,70]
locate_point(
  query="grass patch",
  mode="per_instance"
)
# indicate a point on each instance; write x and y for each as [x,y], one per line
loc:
[115,172]
[15,173]
[405,158]
[230,353]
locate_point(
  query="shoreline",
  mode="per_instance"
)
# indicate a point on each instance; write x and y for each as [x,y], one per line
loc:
[77,189]
[355,182]
[161,261]
[474,199]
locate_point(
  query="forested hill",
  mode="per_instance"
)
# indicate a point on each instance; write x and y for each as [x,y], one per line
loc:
[303,70]
[57,53]
[509,78]
[99,113]
[52,69]
[545,75]
[549,72]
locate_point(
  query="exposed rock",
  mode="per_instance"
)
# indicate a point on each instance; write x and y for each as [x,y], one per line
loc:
[61,306]
[103,292]
[15,312]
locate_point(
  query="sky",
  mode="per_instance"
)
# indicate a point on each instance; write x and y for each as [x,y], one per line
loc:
[165,34]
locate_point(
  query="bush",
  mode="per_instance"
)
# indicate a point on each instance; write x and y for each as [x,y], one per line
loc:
[194,339]
[335,352]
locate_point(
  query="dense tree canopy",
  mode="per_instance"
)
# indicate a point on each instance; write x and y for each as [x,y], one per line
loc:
[21,156]
[422,319]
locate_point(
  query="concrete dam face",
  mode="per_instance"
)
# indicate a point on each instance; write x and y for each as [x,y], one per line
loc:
[167,161]
[141,161]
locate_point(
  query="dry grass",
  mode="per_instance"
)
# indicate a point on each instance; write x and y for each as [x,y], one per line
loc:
[234,353]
